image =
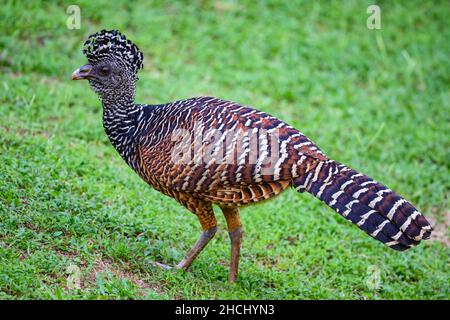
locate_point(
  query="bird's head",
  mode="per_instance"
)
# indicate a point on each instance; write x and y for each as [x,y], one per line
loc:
[113,64]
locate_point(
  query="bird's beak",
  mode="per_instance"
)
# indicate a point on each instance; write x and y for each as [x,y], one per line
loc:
[83,72]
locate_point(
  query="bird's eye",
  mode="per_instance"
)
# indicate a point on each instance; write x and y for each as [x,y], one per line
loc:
[104,71]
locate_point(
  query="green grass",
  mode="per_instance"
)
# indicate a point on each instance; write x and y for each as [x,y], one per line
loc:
[377,100]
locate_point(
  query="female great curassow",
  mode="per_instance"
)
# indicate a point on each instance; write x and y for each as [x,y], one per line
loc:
[205,150]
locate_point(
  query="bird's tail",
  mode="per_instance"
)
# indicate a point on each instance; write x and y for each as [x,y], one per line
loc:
[374,208]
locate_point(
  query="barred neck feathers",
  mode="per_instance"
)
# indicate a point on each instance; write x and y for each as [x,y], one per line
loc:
[120,124]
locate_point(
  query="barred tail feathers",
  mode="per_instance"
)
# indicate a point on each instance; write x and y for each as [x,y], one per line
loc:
[374,208]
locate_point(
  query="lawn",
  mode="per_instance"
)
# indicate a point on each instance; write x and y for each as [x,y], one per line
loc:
[76,222]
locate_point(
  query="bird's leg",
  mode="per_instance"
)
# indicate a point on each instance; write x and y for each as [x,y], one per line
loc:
[209,226]
[197,248]
[205,215]
[235,232]
[201,243]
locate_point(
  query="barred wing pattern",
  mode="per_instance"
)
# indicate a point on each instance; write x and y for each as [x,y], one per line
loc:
[232,154]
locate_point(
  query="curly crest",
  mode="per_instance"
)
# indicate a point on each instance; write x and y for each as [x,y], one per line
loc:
[113,44]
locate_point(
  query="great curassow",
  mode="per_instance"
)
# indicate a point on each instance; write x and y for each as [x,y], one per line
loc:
[204,151]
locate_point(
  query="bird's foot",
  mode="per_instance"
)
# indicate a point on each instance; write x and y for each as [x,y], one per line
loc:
[161,265]
[178,266]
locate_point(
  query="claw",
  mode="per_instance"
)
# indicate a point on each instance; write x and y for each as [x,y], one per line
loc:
[161,265]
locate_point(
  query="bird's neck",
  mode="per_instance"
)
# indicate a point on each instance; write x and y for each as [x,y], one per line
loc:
[120,115]
[119,97]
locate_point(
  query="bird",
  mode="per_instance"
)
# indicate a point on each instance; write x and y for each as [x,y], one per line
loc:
[203,151]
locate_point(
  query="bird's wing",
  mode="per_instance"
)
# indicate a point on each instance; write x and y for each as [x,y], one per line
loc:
[207,144]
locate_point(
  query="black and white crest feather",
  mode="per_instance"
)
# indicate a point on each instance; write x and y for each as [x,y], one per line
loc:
[113,44]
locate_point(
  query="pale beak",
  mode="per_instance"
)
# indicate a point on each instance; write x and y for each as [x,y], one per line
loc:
[83,72]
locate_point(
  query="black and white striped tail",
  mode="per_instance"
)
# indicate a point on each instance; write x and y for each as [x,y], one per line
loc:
[374,208]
